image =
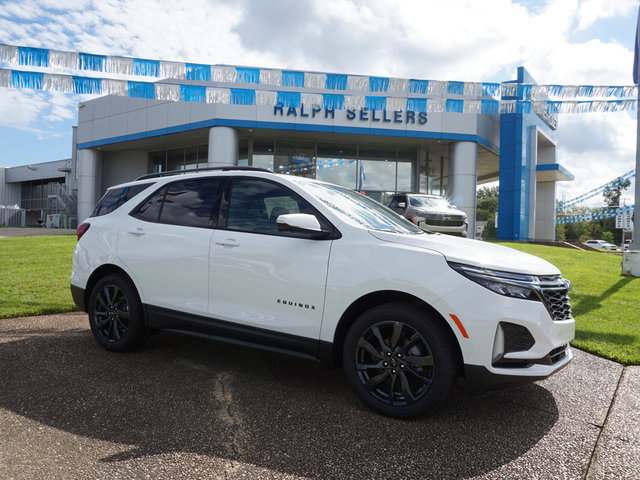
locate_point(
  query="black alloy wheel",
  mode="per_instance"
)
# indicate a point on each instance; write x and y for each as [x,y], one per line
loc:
[394,362]
[115,314]
[399,361]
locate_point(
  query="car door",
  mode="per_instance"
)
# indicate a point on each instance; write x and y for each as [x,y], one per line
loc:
[164,243]
[261,277]
[396,204]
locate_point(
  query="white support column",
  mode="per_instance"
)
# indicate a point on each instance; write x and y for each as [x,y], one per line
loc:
[533,183]
[223,147]
[89,181]
[545,214]
[463,168]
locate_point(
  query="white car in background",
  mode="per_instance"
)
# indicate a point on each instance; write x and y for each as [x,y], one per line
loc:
[600,244]
[299,266]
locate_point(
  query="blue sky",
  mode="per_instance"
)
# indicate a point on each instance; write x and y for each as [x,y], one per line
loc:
[559,41]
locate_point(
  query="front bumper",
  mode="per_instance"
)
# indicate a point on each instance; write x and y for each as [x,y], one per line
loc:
[479,379]
[509,340]
[457,229]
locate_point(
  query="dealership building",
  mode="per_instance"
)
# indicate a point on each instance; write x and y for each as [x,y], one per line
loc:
[377,135]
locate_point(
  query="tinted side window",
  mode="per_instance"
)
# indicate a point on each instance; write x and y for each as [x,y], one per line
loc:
[116,197]
[256,204]
[186,202]
[150,209]
[190,202]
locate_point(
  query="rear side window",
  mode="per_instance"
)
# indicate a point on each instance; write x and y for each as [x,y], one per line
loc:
[192,203]
[116,197]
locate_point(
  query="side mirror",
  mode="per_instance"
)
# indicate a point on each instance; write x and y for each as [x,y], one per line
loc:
[402,205]
[301,223]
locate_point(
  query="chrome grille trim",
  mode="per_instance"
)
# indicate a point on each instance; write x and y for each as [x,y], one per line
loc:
[555,295]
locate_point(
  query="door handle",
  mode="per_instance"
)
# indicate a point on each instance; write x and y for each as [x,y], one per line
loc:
[229,242]
[137,233]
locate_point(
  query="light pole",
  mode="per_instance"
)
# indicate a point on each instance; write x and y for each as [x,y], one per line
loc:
[631,259]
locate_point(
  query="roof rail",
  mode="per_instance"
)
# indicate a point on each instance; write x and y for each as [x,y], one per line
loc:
[206,169]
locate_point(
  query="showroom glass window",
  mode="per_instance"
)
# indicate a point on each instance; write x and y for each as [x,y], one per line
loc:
[297,158]
[338,164]
[191,157]
[406,169]
[263,154]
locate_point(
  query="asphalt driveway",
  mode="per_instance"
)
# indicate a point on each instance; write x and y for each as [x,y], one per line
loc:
[184,407]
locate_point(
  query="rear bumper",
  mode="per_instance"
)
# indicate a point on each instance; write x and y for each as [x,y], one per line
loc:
[77,294]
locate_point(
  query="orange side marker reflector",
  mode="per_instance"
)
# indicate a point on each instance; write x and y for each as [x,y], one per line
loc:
[460,326]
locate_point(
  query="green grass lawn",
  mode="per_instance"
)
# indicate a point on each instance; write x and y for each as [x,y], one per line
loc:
[34,279]
[606,304]
[34,275]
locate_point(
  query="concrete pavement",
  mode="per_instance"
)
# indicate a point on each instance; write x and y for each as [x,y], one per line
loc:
[185,407]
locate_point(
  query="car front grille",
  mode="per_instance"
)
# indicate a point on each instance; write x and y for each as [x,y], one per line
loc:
[555,293]
[445,220]
[558,354]
[554,356]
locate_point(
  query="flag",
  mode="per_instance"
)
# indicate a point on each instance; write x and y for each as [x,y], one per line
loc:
[363,177]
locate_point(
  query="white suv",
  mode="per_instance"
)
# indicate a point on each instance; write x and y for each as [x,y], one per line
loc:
[316,270]
[600,244]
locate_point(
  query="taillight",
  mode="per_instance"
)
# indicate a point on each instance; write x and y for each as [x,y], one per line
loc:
[82,229]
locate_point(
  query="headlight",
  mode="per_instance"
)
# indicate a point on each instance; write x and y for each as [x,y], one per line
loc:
[504,283]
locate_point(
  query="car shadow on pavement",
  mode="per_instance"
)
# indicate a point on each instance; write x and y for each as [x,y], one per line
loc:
[186,394]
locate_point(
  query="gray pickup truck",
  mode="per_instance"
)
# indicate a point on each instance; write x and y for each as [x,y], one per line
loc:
[430,212]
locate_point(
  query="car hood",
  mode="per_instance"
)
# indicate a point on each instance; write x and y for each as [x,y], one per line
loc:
[473,252]
[439,211]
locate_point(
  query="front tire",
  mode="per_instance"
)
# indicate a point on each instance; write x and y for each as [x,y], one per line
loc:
[115,314]
[399,360]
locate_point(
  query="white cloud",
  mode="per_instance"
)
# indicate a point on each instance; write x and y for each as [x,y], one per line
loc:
[36,111]
[453,40]
[596,148]
[592,10]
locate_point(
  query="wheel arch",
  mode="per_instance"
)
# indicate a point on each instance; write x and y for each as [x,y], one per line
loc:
[101,272]
[331,353]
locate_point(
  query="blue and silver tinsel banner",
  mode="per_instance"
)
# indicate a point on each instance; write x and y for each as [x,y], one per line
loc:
[596,191]
[267,97]
[588,216]
[87,73]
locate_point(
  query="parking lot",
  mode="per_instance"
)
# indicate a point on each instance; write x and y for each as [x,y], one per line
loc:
[192,408]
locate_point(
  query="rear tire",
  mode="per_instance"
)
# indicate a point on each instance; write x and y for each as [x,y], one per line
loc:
[115,314]
[399,360]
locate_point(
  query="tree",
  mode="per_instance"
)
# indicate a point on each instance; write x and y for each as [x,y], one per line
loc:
[612,195]
[487,192]
[490,232]
[486,204]
[607,237]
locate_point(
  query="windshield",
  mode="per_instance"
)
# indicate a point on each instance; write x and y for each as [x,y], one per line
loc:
[428,202]
[360,210]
